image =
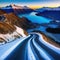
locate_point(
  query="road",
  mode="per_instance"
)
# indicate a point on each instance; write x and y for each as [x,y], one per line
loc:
[34,48]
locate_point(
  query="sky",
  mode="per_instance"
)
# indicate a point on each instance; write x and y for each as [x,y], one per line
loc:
[32,3]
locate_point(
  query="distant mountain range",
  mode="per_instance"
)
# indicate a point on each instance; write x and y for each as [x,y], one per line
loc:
[12,26]
[52,13]
[48,8]
[17,9]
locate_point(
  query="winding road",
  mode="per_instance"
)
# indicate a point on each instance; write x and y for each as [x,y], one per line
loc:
[34,47]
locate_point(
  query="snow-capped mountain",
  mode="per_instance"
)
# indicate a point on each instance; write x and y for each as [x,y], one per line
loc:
[17,9]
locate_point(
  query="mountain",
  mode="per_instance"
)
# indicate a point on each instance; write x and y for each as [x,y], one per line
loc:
[1,15]
[7,9]
[52,13]
[14,19]
[17,9]
[2,18]
[23,22]
[10,32]
[2,12]
[12,27]
[48,9]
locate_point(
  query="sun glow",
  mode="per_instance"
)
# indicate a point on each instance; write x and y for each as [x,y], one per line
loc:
[35,5]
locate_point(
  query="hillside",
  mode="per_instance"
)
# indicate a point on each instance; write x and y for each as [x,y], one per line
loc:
[17,9]
[20,22]
[54,15]
[12,27]
[10,32]
[2,12]
[48,9]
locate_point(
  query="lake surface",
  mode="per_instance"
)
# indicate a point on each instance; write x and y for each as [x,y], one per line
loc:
[36,19]
[39,19]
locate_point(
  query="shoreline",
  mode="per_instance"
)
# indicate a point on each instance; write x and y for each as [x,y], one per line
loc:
[48,39]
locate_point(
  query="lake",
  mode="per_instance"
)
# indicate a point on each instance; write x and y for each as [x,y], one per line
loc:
[35,19]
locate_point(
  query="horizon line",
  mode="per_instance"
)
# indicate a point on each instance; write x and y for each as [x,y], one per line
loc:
[31,6]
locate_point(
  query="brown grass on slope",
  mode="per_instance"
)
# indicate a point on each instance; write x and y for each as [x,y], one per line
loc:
[6,28]
[48,39]
[2,12]
[15,20]
[10,32]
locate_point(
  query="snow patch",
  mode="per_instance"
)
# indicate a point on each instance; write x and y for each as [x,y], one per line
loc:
[19,32]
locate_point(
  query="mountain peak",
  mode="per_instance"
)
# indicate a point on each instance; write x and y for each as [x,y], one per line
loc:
[17,9]
[12,4]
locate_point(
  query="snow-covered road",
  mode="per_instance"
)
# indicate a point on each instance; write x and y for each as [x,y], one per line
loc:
[32,47]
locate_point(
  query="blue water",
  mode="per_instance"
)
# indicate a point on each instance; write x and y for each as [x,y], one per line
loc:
[39,19]
[36,19]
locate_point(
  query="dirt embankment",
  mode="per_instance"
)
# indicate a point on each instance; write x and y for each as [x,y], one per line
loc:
[49,39]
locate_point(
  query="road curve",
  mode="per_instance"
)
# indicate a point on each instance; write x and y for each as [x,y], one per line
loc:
[34,48]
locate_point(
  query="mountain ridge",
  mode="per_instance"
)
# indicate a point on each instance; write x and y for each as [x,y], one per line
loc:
[12,27]
[17,9]
[51,13]
[48,8]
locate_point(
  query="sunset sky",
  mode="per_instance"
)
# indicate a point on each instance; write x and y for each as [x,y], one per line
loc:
[32,3]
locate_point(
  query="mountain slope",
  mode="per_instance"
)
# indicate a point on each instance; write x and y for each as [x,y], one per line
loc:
[48,9]
[2,12]
[54,15]
[20,22]
[48,12]
[17,9]
[10,32]
[12,27]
